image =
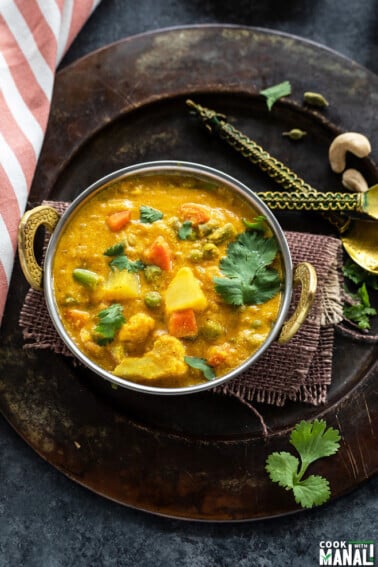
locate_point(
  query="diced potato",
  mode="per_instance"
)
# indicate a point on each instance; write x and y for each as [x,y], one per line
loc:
[184,292]
[137,328]
[164,360]
[120,285]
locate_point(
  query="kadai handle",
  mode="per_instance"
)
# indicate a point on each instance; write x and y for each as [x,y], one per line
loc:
[29,224]
[305,276]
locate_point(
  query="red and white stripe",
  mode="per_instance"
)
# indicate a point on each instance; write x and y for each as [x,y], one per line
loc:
[34,35]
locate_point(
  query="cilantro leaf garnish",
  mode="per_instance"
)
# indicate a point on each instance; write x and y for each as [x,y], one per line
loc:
[258,223]
[312,491]
[149,215]
[110,320]
[200,364]
[283,467]
[250,279]
[360,312]
[122,262]
[274,93]
[185,230]
[115,250]
[313,441]
[358,275]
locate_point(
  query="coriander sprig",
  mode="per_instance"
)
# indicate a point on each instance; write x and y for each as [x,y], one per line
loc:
[360,310]
[148,215]
[313,441]
[110,320]
[250,278]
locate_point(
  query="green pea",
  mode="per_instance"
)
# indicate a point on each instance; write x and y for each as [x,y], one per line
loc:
[195,255]
[211,330]
[256,324]
[153,299]
[210,251]
[223,233]
[152,273]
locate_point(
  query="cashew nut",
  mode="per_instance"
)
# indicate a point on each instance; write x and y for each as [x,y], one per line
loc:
[352,142]
[354,181]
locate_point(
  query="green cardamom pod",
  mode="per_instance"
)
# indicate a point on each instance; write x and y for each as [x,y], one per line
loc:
[295,134]
[315,99]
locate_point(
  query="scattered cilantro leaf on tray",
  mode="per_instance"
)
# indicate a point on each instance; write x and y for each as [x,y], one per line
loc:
[110,320]
[148,215]
[312,491]
[274,93]
[282,468]
[200,364]
[122,262]
[313,441]
[362,310]
[250,279]
[358,275]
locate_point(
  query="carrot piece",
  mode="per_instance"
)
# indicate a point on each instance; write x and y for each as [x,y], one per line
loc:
[117,221]
[196,214]
[160,253]
[183,324]
[218,354]
[77,316]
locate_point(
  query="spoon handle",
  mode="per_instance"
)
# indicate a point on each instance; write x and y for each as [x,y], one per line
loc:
[301,201]
[276,170]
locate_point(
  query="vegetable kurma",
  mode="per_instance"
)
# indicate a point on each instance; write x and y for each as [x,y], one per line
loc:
[167,280]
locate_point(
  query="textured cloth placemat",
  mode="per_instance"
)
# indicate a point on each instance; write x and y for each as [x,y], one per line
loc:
[300,370]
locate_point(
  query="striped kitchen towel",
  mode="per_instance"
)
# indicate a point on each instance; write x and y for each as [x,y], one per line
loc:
[34,35]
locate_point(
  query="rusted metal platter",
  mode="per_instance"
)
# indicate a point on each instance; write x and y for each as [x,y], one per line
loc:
[197,457]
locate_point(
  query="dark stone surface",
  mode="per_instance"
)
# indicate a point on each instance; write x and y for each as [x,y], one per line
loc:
[47,520]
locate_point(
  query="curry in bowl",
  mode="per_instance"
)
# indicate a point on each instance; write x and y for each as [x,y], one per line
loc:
[167,279]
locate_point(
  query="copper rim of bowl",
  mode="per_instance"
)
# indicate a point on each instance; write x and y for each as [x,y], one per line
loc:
[174,167]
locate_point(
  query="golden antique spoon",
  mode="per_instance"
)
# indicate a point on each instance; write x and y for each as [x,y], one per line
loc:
[360,203]
[359,236]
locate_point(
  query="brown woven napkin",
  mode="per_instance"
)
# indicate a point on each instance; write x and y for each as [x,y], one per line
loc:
[300,370]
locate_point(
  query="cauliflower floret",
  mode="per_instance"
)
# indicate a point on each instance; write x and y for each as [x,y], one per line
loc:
[137,328]
[165,359]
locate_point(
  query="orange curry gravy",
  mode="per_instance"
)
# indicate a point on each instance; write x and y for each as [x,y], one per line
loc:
[162,296]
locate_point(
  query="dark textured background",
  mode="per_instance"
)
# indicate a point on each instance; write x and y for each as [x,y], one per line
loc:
[45,519]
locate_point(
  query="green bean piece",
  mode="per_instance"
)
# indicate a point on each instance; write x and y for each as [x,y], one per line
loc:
[212,330]
[85,277]
[153,299]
